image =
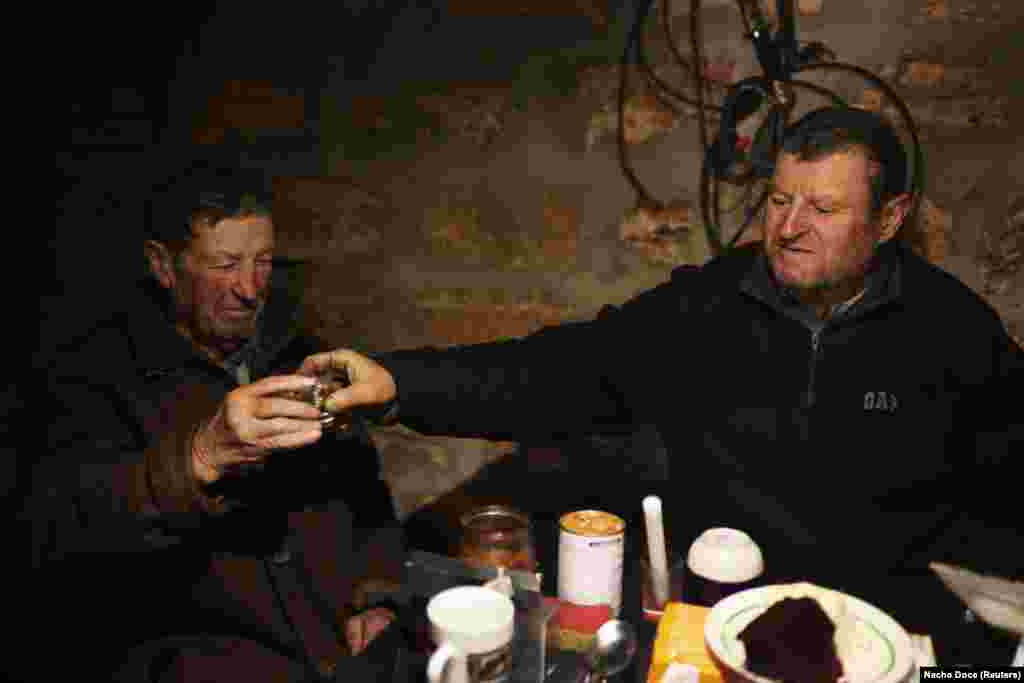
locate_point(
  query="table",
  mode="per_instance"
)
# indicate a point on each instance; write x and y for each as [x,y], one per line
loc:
[437,530]
[545,495]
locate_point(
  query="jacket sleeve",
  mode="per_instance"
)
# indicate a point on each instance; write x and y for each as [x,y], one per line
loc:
[546,385]
[1000,418]
[999,455]
[103,484]
[574,378]
[986,536]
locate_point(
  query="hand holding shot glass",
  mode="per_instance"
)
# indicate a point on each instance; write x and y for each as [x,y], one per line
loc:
[252,422]
[350,380]
[328,381]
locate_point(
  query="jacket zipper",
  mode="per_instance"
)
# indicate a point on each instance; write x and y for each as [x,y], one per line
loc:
[809,396]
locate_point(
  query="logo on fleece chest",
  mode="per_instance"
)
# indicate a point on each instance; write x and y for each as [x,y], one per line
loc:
[880,402]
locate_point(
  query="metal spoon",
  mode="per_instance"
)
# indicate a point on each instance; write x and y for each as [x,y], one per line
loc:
[613,649]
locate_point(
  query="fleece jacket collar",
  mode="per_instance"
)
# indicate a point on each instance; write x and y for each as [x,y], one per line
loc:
[884,285]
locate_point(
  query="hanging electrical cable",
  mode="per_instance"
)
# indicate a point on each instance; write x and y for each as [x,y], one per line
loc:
[632,45]
[725,160]
[666,20]
[635,53]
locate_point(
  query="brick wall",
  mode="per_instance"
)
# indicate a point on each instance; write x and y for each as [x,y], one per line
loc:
[249,107]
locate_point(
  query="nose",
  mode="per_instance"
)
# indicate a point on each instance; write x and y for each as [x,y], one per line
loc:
[792,222]
[248,284]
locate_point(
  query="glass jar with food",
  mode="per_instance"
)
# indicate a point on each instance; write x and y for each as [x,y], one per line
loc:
[498,536]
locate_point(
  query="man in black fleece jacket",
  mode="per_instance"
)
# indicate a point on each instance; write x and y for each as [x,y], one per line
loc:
[827,390]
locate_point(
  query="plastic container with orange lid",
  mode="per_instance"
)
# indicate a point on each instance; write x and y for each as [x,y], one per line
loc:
[680,638]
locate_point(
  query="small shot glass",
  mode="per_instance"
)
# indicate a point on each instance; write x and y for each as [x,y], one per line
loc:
[327,383]
[316,395]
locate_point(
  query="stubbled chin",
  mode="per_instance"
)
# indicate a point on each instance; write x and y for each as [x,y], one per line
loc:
[235,331]
[786,269]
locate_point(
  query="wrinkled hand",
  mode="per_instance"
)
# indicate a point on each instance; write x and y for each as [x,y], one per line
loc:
[361,629]
[253,421]
[371,384]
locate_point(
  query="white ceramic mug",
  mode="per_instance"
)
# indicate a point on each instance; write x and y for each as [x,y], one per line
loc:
[473,627]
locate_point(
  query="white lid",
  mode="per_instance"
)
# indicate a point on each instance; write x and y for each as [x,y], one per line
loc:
[678,672]
[725,555]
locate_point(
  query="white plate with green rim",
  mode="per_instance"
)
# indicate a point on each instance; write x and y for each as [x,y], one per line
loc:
[871,645]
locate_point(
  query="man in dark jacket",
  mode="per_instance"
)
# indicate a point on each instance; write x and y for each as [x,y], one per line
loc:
[190,521]
[842,400]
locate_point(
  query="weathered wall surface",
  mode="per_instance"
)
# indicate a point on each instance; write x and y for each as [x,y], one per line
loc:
[521,216]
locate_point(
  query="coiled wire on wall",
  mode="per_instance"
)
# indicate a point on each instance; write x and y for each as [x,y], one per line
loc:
[780,56]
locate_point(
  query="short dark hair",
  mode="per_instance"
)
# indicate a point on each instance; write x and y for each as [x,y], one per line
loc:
[824,132]
[204,193]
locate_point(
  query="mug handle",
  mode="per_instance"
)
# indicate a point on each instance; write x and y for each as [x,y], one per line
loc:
[436,667]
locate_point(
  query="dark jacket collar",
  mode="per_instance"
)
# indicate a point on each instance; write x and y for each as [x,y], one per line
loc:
[162,350]
[884,284]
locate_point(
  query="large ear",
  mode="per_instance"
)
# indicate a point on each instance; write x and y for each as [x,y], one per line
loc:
[161,263]
[893,213]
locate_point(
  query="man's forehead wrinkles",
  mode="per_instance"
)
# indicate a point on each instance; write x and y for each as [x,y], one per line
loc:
[822,197]
[239,254]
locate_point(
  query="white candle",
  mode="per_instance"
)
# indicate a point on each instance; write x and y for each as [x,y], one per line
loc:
[656,549]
